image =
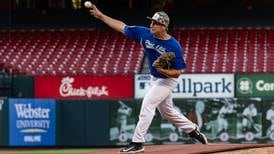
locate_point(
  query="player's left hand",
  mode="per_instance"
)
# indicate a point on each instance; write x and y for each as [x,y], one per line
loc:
[164,60]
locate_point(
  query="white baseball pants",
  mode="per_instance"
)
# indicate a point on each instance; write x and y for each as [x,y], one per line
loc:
[160,96]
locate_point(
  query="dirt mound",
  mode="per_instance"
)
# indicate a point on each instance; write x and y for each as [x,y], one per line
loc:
[201,149]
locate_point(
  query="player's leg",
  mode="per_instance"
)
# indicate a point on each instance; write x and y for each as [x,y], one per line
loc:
[272,127]
[169,113]
[152,99]
[179,120]
[221,125]
[156,95]
[225,124]
[123,125]
[244,124]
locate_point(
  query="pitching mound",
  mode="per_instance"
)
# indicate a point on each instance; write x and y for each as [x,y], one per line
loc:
[202,149]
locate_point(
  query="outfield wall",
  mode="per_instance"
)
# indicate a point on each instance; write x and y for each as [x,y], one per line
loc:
[228,108]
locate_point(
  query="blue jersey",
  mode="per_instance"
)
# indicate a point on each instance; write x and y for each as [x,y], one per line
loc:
[155,47]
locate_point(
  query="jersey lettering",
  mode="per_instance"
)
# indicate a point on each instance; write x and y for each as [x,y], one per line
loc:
[158,48]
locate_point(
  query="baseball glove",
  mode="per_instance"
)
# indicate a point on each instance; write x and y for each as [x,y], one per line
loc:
[164,60]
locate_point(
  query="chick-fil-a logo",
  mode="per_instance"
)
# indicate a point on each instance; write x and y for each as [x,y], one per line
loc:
[66,89]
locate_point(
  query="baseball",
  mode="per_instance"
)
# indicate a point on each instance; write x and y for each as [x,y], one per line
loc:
[88,4]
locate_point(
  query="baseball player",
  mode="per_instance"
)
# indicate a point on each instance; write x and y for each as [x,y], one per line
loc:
[249,113]
[270,117]
[196,116]
[222,122]
[123,113]
[155,42]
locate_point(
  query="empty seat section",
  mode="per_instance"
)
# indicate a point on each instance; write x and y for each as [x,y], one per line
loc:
[228,50]
[90,51]
[70,51]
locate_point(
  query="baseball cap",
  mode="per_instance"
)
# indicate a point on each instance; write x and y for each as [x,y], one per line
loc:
[160,17]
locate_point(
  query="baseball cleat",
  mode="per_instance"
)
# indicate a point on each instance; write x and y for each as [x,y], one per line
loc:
[132,148]
[198,136]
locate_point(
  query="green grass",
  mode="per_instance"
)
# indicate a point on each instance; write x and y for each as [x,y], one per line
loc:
[54,151]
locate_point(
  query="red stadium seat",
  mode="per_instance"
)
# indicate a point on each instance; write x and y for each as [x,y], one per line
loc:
[227,50]
[53,52]
[89,51]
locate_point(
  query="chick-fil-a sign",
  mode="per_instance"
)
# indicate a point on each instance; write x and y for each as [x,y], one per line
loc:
[84,87]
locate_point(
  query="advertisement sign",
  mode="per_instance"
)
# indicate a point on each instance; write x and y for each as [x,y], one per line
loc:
[2,120]
[142,85]
[193,86]
[254,85]
[32,122]
[110,87]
